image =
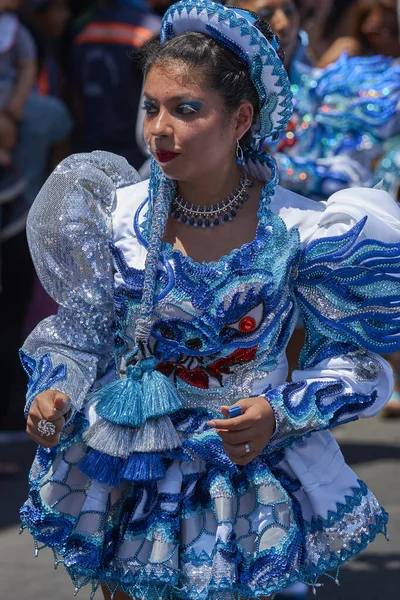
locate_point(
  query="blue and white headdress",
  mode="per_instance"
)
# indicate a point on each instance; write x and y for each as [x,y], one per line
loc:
[143,399]
[235,29]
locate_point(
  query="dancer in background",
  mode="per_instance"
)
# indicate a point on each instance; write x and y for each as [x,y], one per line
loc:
[175,459]
[108,83]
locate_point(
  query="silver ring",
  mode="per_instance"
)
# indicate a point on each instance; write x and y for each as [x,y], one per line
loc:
[247,448]
[46,428]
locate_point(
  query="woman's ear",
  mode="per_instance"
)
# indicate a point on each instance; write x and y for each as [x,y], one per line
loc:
[244,118]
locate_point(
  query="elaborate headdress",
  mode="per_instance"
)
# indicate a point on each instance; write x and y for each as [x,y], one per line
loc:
[144,398]
[234,28]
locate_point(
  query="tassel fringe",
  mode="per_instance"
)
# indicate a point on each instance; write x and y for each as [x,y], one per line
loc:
[102,468]
[142,395]
[143,467]
[110,439]
[110,470]
[120,402]
[156,435]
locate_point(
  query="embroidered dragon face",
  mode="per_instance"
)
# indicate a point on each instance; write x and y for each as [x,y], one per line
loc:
[237,320]
[210,321]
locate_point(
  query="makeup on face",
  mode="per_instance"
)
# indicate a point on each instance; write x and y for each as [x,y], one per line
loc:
[164,156]
[185,124]
[179,106]
[186,107]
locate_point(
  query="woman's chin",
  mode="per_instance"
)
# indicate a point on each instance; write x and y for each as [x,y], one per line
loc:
[169,169]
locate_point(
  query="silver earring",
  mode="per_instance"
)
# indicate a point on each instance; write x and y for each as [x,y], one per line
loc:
[239,154]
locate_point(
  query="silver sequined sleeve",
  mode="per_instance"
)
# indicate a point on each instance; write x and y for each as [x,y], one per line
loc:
[69,230]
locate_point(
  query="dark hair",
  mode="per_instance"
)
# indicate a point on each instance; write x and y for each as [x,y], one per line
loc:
[223,70]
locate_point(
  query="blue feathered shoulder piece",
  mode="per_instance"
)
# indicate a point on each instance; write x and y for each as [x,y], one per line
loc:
[348,291]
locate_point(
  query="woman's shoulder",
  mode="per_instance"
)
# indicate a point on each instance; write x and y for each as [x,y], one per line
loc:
[129,210]
[132,196]
[340,213]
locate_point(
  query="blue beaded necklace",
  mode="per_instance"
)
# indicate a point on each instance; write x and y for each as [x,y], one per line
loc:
[211,216]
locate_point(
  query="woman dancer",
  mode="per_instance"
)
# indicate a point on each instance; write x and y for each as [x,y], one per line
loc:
[175,461]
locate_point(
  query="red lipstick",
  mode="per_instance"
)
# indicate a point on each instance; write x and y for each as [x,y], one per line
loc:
[164,156]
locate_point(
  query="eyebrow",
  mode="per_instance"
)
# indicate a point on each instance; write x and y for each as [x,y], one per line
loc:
[173,99]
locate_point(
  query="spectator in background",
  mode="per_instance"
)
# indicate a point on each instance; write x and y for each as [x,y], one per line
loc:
[42,142]
[17,77]
[48,20]
[325,21]
[45,133]
[284,18]
[46,122]
[375,30]
[109,83]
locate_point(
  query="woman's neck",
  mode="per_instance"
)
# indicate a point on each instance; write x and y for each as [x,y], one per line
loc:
[211,189]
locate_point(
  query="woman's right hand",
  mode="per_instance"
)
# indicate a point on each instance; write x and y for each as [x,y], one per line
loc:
[52,406]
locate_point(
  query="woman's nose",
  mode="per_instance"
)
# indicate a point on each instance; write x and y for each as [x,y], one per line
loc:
[161,125]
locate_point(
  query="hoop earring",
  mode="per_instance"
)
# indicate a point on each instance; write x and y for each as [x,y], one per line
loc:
[239,154]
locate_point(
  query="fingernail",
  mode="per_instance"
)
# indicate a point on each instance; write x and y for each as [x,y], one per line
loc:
[211,423]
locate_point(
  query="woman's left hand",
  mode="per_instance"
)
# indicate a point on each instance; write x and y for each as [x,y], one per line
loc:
[252,430]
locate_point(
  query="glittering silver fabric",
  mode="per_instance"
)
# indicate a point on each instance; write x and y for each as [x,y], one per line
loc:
[69,228]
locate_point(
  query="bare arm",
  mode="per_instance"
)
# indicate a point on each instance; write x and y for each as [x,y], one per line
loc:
[26,78]
[345,44]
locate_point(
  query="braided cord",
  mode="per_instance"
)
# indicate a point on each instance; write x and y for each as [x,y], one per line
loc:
[161,191]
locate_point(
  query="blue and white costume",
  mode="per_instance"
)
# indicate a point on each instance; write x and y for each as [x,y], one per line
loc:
[140,494]
[344,116]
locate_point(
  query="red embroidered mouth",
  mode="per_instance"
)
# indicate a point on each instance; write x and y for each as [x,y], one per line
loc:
[199,377]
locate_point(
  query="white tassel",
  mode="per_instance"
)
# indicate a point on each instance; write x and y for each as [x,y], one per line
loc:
[156,435]
[109,438]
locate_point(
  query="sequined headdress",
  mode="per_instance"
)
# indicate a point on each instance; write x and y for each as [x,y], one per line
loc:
[145,397]
[235,29]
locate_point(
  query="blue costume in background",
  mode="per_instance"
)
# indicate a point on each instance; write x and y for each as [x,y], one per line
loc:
[345,129]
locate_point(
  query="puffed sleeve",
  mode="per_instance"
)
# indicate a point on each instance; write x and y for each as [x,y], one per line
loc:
[348,292]
[69,230]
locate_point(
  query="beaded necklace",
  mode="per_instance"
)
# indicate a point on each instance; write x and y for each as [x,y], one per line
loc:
[211,216]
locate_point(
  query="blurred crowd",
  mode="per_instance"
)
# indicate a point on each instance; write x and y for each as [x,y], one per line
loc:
[69,83]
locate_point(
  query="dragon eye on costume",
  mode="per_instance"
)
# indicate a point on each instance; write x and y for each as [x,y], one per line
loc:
[247,324]
[167,332]
[194,344]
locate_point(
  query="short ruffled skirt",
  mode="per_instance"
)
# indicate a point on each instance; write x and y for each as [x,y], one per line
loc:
[206,529]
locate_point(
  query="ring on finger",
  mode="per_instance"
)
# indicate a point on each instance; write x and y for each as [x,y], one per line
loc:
[46,428]
[247,448]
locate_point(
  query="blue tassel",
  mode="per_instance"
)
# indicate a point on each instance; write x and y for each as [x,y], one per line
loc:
[143,467]
[102,468]
[160,396]
[120,402]
[143,394]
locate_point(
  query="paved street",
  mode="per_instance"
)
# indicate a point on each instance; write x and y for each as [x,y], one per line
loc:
[373,449]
